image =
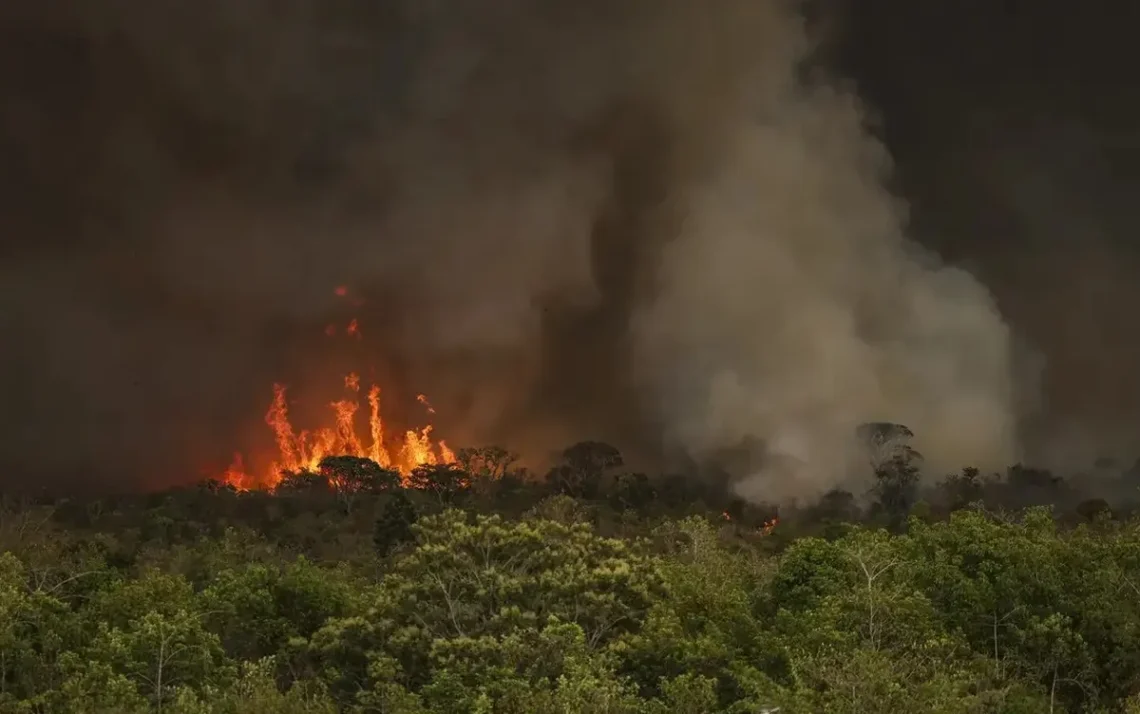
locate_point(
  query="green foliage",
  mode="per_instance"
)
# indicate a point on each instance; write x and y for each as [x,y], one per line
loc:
[394,527]
[157,653]
[36,631]
[560,509]
[708,626]
[475,601]
[254,691]
[359,596]
[258,609]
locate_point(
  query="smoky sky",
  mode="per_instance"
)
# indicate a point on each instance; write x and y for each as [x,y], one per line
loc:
[1014,130]
[671,225]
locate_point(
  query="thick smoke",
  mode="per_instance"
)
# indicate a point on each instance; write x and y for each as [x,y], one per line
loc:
[645,222]
[791,307]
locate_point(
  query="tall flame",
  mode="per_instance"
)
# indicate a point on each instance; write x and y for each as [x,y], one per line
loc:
[299,451]
[303,450]
[376,452]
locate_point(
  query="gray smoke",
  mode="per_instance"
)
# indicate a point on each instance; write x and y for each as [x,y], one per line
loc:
[792,307]
[645,222]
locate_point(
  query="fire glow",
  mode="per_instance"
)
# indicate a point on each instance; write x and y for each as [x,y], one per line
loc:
[765,528]
[303,450]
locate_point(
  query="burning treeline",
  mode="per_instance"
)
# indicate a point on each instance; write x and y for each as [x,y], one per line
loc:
[303,450]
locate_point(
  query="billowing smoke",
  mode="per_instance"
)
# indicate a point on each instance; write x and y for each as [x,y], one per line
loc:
[791,307]
[654,223]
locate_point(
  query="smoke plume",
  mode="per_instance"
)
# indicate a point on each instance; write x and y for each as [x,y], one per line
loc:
[653,223]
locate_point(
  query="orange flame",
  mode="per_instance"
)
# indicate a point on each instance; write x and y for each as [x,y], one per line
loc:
[304,450]
[235,475]
[301,451]
[376,429]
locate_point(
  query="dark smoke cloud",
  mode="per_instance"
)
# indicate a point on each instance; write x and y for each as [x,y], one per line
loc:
[655,223]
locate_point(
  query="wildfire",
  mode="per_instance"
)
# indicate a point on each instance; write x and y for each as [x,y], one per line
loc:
[765,528]
[303,450]
[768,526]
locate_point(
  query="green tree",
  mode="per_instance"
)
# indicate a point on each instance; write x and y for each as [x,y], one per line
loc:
[983,574]
[708,626]
[258,609]
[561,509]
[92,686]
[462,599]
[160,653]
[36,631]
[254,691]
[394,527]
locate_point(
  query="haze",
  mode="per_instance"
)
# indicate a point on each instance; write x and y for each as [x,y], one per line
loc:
[671,227]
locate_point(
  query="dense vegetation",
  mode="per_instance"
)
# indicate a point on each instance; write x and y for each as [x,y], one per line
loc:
[592,589]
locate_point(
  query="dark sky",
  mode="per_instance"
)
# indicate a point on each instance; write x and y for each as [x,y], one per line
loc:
[1014,127]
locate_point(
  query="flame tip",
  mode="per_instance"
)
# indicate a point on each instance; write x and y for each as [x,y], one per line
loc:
[303,450]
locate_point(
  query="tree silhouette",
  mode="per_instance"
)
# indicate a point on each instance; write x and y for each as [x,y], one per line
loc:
[632,491]
[446,481]
[394,527]
[356,473]
[350,477]
[584,468]
[303,483]
[487,462]
[887,443]
[961,489]
[895,466]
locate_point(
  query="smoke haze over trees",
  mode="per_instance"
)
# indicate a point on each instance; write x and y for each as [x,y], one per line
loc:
[668,225]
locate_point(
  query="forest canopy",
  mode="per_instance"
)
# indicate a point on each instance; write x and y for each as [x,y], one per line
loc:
[476,586]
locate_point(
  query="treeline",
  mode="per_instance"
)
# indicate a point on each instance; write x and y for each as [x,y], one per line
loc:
[475,587]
